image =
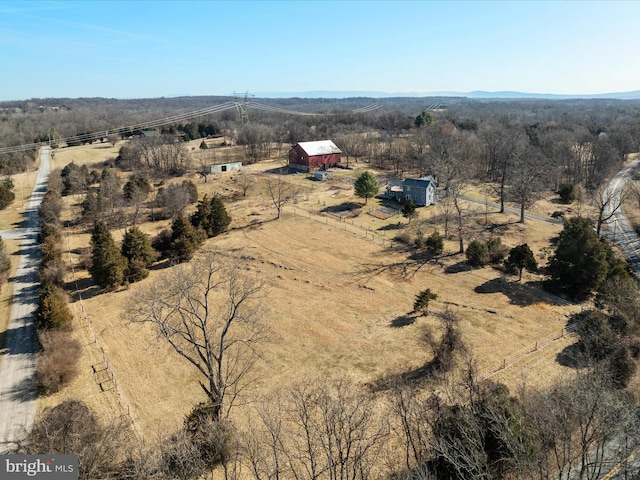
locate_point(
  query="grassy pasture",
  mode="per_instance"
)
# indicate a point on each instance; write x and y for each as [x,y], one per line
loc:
[338,297]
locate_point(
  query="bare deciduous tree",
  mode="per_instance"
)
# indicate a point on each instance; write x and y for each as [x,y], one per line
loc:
[207,311]
[320,431]
[281,192]
[607,202]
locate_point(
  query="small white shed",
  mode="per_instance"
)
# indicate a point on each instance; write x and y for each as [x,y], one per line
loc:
[223,167]
[320,175]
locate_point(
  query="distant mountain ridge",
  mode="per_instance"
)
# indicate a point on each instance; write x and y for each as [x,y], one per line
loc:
[478,94]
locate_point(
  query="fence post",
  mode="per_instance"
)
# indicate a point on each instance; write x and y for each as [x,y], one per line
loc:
[504,363]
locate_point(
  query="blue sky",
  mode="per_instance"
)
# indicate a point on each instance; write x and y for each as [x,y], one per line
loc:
[128,49]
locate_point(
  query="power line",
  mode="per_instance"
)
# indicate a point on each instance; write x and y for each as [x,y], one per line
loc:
[239,105]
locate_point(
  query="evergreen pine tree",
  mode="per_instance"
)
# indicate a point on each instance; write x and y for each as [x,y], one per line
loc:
[108,264]
[185,240]
[421,304]
[211,216]
[409,210]
[52,310]
[366,186]
[136,248]
[521,257]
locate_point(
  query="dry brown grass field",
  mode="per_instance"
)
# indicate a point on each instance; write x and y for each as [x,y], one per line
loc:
[339,292]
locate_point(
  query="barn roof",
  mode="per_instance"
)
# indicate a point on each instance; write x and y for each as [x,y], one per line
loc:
[321,147]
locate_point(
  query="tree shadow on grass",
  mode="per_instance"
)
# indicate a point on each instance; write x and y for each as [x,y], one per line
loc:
[517,293]
[343,207]
[421,376]
[392,226]
[162,264]
[458,268]
[83,288]
[402,321]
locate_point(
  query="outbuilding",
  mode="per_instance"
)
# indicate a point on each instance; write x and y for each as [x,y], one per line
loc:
[222,167]
[318,155]
[320,175]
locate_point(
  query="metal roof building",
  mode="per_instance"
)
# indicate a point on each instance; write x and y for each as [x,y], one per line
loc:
[319,155]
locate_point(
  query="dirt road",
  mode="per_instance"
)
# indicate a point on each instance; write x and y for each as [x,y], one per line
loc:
[18,357]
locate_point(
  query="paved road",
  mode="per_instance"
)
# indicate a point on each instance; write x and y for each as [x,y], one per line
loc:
[621,233]
[18,357]
[620,230]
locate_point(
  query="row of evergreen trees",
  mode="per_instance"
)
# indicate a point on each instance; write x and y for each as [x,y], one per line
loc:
[59,352]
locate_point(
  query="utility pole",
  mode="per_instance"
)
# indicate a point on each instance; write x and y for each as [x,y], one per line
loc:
[241,106]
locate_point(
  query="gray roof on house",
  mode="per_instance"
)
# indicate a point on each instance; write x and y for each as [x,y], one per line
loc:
[321,147]
[419,182]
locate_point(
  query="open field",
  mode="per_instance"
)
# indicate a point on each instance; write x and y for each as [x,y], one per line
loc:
[339,292]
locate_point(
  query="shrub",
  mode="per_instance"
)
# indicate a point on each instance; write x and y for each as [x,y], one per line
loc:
[137,188]
[53,272]
[403,237]
[49,232]
[621,367]
[52,310]
[567,192]
[5,262]
[75,178]
[50,250]
[208,434]
[6,193]
[57,361]
[497,251]
[176,197]
[409,210]
[50,207]
[477,253]
[72,428]
[598,340]
[434,243]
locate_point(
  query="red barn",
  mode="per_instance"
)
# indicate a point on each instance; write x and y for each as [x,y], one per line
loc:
[309,156]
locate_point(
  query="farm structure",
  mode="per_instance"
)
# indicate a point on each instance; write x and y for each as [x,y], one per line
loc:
[222,167]
[310,156]
[320,175]
[421,190]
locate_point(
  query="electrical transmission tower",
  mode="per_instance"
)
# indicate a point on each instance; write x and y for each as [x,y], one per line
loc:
[241,106]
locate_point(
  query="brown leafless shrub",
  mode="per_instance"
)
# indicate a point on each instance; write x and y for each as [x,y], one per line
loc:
[72,428]
[53,272]
[57,361]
